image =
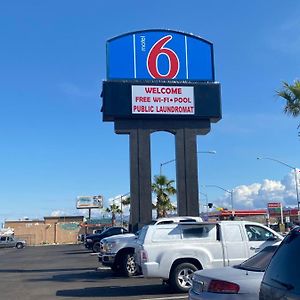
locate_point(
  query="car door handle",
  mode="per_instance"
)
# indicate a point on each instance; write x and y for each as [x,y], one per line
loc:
[254,248]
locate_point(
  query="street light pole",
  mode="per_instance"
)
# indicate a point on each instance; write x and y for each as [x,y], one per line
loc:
[230,192]
[165,163]
[295,174]
[169,161]
[206,198]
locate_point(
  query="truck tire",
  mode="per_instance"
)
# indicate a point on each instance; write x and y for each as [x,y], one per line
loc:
[181,277]
[19,246]
[96,247]
[129,267]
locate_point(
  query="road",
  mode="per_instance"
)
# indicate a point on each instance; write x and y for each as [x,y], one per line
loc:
[70,272]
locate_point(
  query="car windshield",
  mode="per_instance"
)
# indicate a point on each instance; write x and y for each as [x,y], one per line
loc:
[259,261]
[106,230]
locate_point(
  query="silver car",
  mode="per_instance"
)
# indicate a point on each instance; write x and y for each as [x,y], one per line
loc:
[10,241]
[237,282]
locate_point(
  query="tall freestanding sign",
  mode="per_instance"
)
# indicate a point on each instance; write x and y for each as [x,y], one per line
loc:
[161,80]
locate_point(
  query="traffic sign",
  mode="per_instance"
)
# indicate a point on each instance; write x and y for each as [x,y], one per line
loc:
[274,205]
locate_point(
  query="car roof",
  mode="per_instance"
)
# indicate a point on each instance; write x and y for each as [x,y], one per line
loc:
[177,219]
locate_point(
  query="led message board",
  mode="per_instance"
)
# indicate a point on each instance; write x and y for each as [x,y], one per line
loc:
[172,100]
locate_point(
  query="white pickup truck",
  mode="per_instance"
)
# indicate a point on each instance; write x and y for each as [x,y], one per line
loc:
[174,251]
[117,251]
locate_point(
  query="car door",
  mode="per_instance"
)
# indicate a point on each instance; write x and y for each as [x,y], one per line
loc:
[4,241]
[258,238]
[234,244]
[10,242]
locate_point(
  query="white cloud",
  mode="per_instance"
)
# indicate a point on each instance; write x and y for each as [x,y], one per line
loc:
[58,213]
[257,195]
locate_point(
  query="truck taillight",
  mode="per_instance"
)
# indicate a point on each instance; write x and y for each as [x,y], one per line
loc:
[220,286]
[144,255]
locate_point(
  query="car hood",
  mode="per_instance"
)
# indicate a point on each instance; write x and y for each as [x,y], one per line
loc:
[248,281]
[119,237]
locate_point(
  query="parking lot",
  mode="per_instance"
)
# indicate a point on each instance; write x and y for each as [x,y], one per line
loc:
[69,272]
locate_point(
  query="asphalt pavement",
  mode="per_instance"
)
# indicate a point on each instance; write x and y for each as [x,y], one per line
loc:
[70,272]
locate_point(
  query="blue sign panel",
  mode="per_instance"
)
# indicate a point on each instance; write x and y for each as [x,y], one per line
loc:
[160,54]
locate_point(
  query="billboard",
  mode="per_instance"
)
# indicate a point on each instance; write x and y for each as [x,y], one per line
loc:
[160,74]
[87,202]
[159,54]
[161,80]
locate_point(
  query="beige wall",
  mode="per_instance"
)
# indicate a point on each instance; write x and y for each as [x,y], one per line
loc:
[52,230]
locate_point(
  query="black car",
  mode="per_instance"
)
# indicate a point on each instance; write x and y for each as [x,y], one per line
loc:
[281,279]
[92,241]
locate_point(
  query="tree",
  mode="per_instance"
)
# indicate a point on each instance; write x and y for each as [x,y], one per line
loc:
[163,188]
[113,209]
[291,94]
[125,201]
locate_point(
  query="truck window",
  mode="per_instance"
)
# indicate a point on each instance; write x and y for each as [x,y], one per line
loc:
[257,233]
[142,234]
[199,232]
[165,222]
[166,234]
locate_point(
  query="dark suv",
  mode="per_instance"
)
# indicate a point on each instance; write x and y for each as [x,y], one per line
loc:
[281,279]
[92,241]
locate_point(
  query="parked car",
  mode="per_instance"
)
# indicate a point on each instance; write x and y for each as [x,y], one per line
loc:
[174,252]
[81,237]
[92,241]
[241,281]
[10,241]
[100,230]
[117,251]
[281,279]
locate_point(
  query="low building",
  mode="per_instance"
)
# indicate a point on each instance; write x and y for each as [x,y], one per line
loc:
[51,230]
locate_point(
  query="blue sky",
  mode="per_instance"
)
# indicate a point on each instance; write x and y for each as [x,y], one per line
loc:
[54,145]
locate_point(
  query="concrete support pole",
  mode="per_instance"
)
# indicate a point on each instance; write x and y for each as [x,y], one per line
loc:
[187,172]
[140,178]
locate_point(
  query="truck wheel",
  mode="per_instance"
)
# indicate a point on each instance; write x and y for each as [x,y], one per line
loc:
[19,246]
[96,247]
[181,277]
[128,265]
